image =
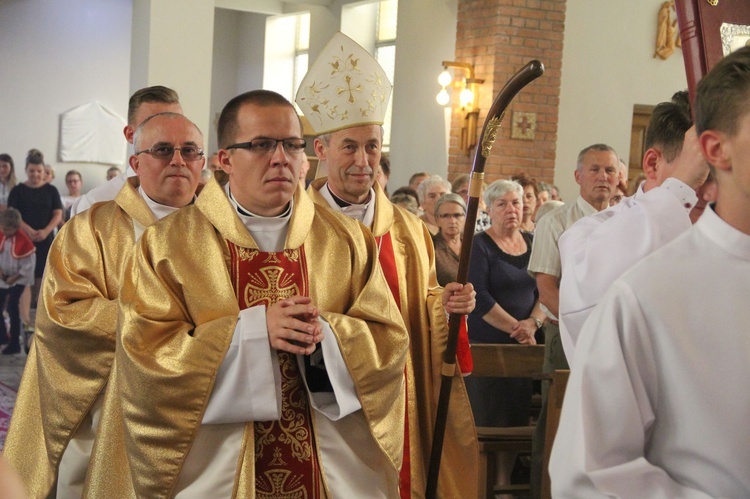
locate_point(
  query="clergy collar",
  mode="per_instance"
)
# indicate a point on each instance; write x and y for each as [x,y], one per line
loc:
[159,210]
[345,204]
[269,233]
[244,212]
[364,212]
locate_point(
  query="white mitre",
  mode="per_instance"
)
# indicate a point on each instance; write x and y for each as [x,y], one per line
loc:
[346,87]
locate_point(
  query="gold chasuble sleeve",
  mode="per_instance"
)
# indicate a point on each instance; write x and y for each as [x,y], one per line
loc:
[74,344]
[427,323]
[178,313]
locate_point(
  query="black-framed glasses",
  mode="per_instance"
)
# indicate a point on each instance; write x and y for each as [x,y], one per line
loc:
[451,215]
[188,153]
[265,145]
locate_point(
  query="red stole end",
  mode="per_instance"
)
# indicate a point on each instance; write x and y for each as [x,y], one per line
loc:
[387,259]
[21,245]
[286,460]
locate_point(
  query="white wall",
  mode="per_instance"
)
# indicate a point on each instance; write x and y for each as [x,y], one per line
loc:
[55,56]
[608,66]
[238,60]
[426,37]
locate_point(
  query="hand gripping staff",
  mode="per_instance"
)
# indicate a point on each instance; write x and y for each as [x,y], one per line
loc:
[523,77]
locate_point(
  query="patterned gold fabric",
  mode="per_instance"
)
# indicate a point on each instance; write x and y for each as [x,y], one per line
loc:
[344,87]
[423,313]
[178,315]
[286,459]
[74,345]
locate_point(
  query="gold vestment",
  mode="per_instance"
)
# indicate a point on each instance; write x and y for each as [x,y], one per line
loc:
[424,315]
[73,350]
[178,314]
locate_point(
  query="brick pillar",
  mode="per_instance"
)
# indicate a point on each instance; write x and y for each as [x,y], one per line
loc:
[499,37]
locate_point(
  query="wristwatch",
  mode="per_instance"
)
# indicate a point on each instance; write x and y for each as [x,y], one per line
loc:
[536,321]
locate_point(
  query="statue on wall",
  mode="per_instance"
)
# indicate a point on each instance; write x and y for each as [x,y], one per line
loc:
[667,37]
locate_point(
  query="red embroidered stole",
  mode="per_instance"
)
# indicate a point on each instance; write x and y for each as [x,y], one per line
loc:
[286,460]
[387,259]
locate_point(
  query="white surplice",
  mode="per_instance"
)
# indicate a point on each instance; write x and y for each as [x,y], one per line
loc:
[657,404]
[599,248]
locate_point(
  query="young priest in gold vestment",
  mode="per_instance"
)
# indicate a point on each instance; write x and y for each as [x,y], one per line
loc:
[261,353]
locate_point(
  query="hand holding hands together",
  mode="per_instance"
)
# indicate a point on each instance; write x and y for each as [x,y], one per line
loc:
[294,325]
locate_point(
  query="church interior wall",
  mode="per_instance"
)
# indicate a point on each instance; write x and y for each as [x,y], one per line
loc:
[59,55]
[56,56]
[608,67]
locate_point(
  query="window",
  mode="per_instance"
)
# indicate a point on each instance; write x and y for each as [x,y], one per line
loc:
[385,53]
[373,25]
[286,53]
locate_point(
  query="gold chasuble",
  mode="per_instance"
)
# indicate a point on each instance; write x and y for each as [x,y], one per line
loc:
[74,345]
[286,461]
[423,313]
[181,296]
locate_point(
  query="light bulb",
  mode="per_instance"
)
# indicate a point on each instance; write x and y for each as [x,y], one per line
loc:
[442,97]
[445,78]
[466,97]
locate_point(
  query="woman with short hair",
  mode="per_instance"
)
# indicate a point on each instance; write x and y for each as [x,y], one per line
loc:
[450,214]
[507,309]
[429,192]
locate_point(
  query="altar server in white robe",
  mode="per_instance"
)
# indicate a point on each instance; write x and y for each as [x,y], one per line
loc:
[657,402]
[599,248]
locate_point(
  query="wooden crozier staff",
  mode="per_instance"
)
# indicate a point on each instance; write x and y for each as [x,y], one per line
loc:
[523,77]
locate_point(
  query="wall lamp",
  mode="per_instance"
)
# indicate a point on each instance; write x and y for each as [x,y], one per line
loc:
[468,98]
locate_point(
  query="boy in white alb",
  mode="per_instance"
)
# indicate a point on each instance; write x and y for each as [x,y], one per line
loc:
[657,404]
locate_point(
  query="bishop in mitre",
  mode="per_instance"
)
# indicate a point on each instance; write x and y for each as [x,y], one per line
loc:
[345,96]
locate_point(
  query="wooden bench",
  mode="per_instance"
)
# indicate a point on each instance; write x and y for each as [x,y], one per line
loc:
[555,395]
[503,361]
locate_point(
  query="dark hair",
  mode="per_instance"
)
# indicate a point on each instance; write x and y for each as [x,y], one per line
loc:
[73,172]
[669,122]
[593,147]
[385,164]
[12,176]
[459,181]
[228,126]
[407,191]
[723,95]
[525,180]
[417,175]
[34,157]
[156,93]
[7,158]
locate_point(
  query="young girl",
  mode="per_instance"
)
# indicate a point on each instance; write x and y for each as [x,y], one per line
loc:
[17,261]
[7,179]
